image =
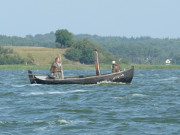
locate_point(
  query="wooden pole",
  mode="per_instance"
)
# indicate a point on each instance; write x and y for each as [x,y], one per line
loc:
[96,62]
[62,74]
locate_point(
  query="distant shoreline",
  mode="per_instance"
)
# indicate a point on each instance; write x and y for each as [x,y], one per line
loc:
[43,58]
[85,67]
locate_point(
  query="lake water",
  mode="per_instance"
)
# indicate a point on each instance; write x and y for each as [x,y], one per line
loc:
[150,105]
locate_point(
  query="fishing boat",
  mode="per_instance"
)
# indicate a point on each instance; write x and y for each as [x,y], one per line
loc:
[124,76]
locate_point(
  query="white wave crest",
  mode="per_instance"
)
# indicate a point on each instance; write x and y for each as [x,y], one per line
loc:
[118,97]
[24,85]
[109,82]
[36,93]
[170,79]
[35,84]
[74,91]
[62,122]
[52,92]
[138,95]
[18,86]
[44,93]
[130,96]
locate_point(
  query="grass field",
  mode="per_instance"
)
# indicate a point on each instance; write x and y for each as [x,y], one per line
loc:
[41,55]
[43,58]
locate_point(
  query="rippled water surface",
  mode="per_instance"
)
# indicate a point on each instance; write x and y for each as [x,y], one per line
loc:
[149,105]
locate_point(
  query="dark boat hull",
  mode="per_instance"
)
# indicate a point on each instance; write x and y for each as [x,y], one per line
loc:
[121,77]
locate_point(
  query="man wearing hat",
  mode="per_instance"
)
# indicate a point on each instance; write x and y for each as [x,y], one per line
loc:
[115,67]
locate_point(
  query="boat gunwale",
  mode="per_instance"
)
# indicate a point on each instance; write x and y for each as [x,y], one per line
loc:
[85,77]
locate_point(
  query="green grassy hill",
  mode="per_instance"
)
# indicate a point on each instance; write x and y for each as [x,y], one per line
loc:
[41,55]
[43,58]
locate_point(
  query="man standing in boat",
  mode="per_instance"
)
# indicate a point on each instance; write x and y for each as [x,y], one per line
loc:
[56,69]
[115,67]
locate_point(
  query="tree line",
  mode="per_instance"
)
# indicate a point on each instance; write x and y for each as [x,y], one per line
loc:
[139,50]
[29,40]
[80,50]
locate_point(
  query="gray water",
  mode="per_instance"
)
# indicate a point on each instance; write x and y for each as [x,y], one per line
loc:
[150,105]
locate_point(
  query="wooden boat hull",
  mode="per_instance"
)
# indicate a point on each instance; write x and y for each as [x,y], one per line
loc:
[121,77]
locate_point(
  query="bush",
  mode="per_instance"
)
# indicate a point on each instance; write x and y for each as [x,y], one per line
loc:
[8,57]
[64,38]
[82,51]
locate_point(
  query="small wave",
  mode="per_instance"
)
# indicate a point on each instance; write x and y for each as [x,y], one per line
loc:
[51,123]
[137,95]
[32,94]
[36,122]
[110,83]
[52,92]
[24,85]
[81,122]
[36,93]
[5,123]
[118,97]
[40,129]
[43,93]
[169,79]
[34,85]
[74,91]
[63,122]
[130,95]
[18,86]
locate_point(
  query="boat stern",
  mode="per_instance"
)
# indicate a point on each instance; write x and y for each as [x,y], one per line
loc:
[31,77]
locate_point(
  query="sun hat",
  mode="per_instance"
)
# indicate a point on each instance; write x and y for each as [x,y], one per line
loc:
[113,62]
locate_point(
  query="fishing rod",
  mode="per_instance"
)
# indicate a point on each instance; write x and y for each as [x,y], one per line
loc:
[61,67]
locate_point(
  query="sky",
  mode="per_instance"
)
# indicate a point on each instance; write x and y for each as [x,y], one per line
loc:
[129,18]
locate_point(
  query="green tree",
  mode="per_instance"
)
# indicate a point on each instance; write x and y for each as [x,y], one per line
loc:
[73,54]
[64,38]
[82,51]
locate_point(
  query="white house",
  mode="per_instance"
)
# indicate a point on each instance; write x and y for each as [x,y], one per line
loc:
[168,62]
